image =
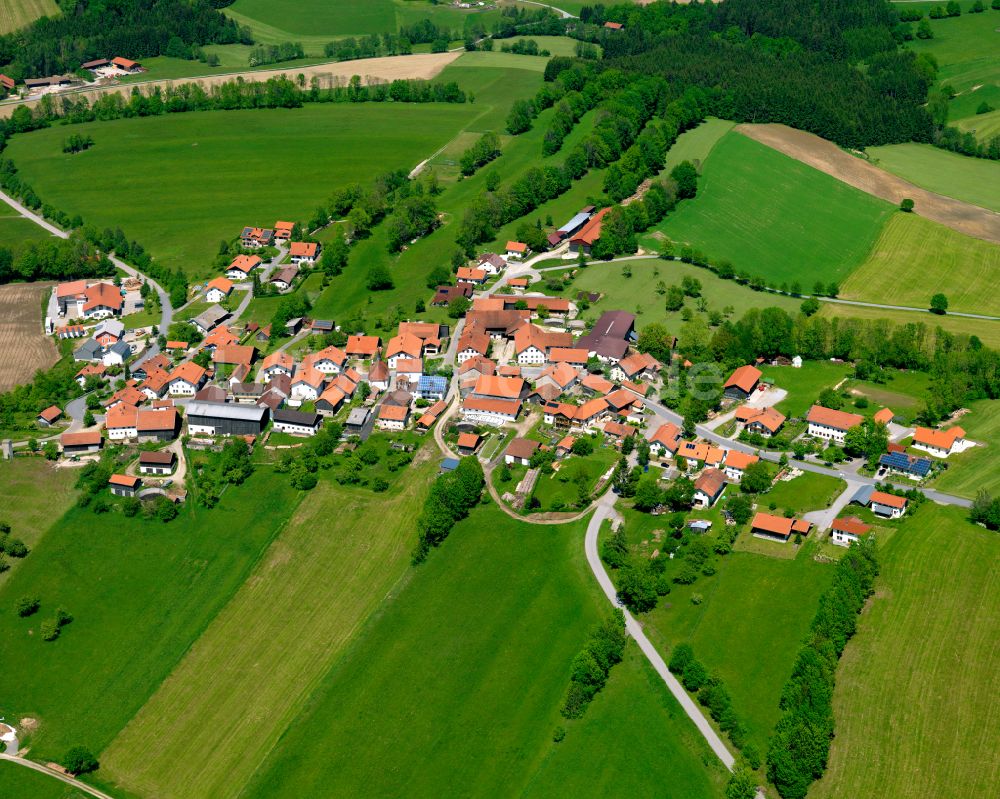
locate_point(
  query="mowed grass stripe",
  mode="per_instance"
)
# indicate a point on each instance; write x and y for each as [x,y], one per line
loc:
[776,217]
[987,331]
[454,688]
[218,171]
[916,704]
[915,258]
[976,469]
[16,14]
[215,718]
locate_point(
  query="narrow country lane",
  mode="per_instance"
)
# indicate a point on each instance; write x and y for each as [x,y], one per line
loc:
[69,780]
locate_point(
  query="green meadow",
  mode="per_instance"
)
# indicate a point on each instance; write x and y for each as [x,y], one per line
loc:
[775,217]
[804,384]
[218,171]
[976,469]
[973,180]
[18,781]
[914,258]
[924,658]
[140,592]
[987,331]
[16,231]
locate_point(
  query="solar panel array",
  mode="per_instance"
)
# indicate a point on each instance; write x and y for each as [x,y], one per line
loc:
[904,463]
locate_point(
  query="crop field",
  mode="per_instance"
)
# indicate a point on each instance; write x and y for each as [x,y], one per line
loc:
[25,346]
[696,144]
[915,258]
[987,331]
[634,704]
[976,469]
[973,180]
[423,698]
[637,294]
[15,230]
[213,721]
[200,166]
[16,14]
[776,217]
[25,482]
[924,659]
[804,385]
[140,592]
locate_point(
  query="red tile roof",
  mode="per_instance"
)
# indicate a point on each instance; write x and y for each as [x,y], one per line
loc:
[889,500]
[521,448]
[940,439]
[124,480]
[850,524]
[86,438]
[51,413]
[775,525]
[839,420]
[744,378]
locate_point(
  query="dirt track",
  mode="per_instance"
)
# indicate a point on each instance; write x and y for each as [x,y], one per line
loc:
[827,157]
[26,348]
[423,65]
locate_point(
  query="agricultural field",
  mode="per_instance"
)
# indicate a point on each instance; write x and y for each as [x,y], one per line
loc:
[973,180]
[109,572]
[23,782]
[637,294]
[198,165]
[775,217]
[16,231]
[924,658]
[988,331]
[22,337]
[461,726]
[904,393]
[16,14]
[634,703]
[805,384]
[282,631]
[914,258]
[28,518]
[696,144]
[976,469]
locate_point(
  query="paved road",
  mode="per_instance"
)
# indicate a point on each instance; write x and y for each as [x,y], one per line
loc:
[605,510]
[81,786]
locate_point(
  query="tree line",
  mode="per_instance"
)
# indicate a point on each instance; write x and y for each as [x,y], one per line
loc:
[452,495]
[54,259]
[593,664]
[800,746]
[91,29]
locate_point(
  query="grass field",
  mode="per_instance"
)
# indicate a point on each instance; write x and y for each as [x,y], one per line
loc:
[214,720]
[218,172]
[559,490]
[637,294]
[775,217]
[22,338]
[988,332]
[696,144]
[18,781]
[16,14]
[650,733]
[23,480]
[915,704]
[915,258]
[808,491]
[15,230]
[804,385]
[455,686]
[904,393]
[141,594]
[978,468]
[973,180]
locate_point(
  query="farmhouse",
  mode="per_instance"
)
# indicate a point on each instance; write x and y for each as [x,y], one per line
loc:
[225,419]
[580,417]
[736,464]
[297,423]
[329,360]
[742,382]
[445,294]
[939,443]
[126,64]
[698,453]
[473,343]
[393,417]
[883,416]
[519,451]
[308,384]
[208,319]
[48,417]
[568,356]
[277,363]
[493,412]
[405,346]
[144,424]
[302,252]
[665,440]
[561,376]
[95,369]
[888,505]
[532,344]
[186,379]
[284,278]
[504,388]
[516,250]
[161,462]
[242,266]
[830,424]
[637,366]
[778,528]
[708,488]
[909,465]
[108,332]
[283,230]
[432,387]
[468,274]
[218,289]
[588,235]
[847,530]
[363,347]
[255,237]
[763,421]
[409,370]
[609,339]
[491,263]
[123,485]
[246,393]
[378,376]
[222,336]
[81,443]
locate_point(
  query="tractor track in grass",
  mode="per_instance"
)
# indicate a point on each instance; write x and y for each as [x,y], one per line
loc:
[827,157]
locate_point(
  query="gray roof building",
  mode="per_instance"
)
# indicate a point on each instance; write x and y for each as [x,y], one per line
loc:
[210,318]
[90,350]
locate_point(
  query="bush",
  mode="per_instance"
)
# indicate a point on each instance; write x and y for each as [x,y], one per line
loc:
[27,606]
[50,630]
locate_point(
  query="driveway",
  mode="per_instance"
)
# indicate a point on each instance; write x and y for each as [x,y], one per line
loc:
[761,399]
[824,518]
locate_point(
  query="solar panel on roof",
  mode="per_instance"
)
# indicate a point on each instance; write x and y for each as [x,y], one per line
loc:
[904,463]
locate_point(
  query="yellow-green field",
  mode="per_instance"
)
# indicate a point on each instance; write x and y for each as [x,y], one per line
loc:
[916,700]
[217,716]
[16,14]
[988,332]
[976,469]
[915,258]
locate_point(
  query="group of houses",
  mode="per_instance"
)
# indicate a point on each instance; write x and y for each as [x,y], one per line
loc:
[98,67]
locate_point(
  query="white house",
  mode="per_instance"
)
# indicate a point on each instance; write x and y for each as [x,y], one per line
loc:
[516,250]
[708,488]
[830,424]
[116,354]
[308,384]
[888,506]
[186,379]
[304,252]
[939,443]
[297,423]
[218,289]
[493,412]
[519,451]
[847,530]
[736,463]
[393,417]
[329,361]
[278,363]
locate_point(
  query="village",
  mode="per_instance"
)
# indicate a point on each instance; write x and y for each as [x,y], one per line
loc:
[543,398]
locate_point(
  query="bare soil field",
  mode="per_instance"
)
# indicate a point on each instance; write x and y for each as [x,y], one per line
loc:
[827,157]
[422,66]
[25,346]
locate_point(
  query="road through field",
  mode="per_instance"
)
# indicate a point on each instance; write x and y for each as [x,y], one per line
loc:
[829,158]
[420,66]
[69,780]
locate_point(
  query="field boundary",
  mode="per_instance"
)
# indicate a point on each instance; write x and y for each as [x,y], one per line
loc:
[827,157]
